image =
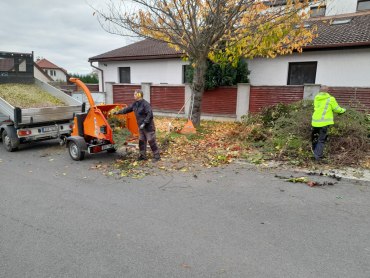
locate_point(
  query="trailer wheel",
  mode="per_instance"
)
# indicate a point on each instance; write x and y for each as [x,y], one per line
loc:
[8,142]
[75,151]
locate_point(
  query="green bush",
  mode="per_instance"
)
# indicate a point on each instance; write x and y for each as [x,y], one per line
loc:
[222,75]
[283,132]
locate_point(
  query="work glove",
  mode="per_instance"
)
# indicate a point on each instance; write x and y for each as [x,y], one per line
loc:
[142,126]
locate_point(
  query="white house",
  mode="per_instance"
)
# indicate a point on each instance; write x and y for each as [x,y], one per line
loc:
[40,74]
[55,73]
[146,61]
[339,56]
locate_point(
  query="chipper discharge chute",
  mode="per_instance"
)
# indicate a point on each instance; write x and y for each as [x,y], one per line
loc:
[91,131]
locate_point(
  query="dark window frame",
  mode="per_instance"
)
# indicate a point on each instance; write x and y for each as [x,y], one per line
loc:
[363,1]
[120,69]
[290,72]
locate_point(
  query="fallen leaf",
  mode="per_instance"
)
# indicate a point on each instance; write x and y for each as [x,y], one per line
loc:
[311,183]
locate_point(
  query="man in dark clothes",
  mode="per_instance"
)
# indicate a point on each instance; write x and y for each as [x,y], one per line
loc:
[144,117]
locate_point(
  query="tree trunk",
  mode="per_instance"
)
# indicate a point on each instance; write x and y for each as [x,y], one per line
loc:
[198,89]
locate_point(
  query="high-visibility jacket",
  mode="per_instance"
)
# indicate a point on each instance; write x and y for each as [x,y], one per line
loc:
[324,106]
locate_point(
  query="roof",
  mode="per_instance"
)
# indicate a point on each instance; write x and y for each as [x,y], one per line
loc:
[348,30]
[142,50]
[46,64]
[355,33]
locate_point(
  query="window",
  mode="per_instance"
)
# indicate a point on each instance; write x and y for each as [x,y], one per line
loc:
[124,75]
[186,74]
[7,64]
[317,11]
[22,65]
[341,21]
[363,5]
[301,73]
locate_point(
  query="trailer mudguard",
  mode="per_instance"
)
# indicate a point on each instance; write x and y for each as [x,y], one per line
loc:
[80,142]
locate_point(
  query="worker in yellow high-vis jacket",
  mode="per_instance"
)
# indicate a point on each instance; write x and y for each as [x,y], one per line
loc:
[323,117]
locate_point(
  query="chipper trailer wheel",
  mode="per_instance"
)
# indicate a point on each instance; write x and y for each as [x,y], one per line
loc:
[75,151]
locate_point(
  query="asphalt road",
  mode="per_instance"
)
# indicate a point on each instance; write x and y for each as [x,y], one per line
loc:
[59,218]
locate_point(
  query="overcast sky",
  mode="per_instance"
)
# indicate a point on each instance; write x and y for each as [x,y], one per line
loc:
[65,32]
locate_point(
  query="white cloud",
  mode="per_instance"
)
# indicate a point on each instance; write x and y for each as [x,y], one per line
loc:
[63,31]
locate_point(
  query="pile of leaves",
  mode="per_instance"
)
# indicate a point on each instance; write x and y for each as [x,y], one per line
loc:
[213,145]
[283,132]
[28,96]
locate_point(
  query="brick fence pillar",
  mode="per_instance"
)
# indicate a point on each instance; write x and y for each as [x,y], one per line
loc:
[242,100]
[187,99]
[109,92]
[145,87]
[310,91]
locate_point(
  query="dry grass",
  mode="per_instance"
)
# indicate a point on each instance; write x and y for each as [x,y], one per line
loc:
[28,96]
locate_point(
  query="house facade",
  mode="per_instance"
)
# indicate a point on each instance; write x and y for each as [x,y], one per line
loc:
[53,71]
[339,56]
[146,61]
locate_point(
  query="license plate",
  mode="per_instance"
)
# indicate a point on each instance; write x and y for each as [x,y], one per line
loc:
[49,129]
[106,147]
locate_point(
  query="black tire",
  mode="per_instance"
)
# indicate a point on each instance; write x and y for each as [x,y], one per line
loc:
[8,142]
[75,151]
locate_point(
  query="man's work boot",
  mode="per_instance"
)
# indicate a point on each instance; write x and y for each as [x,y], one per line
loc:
[142,157]
[156,157]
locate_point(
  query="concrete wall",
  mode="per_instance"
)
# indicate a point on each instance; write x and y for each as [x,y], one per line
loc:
[334,68]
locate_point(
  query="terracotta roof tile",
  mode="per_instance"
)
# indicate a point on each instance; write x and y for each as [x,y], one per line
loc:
[354,33]
[46,64]
[146,49]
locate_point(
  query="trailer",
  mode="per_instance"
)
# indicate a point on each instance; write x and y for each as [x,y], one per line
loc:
[23,125]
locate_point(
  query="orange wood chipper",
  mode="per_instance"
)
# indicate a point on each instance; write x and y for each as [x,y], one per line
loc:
[91,131]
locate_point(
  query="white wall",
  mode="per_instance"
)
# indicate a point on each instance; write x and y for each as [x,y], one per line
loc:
[60,75]
[334,68]
[151,71]
[334,7]
[39,75]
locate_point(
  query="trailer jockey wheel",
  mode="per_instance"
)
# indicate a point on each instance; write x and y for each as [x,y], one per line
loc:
[75,151]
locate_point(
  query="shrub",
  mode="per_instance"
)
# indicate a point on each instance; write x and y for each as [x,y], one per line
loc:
[284,132]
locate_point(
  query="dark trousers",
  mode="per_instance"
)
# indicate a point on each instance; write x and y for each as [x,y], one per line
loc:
[148,137]
[319,136]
